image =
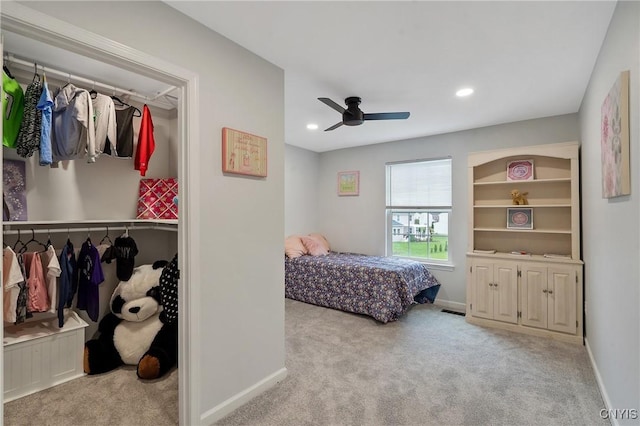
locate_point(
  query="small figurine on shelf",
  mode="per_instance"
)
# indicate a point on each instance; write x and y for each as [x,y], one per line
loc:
[519,199]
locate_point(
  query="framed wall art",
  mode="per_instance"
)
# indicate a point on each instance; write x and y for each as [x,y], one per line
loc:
[349,183]
[520,170]
[614,139]
[243,153]
[14,190]
[519,218]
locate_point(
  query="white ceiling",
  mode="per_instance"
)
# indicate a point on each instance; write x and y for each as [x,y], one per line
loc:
[524,59]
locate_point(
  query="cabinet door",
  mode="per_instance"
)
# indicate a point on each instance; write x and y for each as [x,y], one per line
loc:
[562,299]
[482,290]
[505,289]
[534,297]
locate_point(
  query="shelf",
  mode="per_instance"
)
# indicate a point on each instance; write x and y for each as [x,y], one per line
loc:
[535,206]
[518,182]
[532,231]
[57,226]
[530,257]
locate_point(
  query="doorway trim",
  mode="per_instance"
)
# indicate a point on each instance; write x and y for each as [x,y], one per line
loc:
[36,25]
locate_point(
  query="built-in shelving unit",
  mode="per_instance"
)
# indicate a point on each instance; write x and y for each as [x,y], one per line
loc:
[526,279]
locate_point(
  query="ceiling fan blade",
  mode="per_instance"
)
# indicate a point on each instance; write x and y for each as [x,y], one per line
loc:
[335,126]
[332,104]
[387,116]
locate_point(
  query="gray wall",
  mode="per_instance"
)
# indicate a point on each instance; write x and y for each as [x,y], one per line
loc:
[612,226]
[300,190]
[358,223]
[240,238]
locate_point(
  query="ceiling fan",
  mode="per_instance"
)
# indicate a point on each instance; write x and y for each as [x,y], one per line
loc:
[353,115]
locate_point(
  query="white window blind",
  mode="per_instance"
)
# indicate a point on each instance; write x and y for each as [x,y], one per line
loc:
[419,184]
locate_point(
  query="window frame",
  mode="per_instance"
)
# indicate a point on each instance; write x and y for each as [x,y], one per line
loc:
[390,211]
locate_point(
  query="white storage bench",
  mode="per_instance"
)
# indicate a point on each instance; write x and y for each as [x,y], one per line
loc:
[39,355]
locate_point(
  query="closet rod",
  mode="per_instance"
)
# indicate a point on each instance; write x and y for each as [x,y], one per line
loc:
[96,229]
[9,57]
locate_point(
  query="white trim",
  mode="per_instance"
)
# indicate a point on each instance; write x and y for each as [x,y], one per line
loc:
[38,26]
[603,390]
[453,306]
[226,407]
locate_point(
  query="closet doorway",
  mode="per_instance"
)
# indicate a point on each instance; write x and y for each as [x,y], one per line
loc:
[26,22]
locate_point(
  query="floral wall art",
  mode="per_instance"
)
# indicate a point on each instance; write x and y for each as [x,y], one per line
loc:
[614,140]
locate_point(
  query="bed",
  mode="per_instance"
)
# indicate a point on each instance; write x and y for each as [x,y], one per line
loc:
[381,287]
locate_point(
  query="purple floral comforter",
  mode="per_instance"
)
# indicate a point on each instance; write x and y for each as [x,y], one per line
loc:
[381,287]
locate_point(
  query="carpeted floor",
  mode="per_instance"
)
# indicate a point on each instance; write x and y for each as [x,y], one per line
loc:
[428,368]
[117,398]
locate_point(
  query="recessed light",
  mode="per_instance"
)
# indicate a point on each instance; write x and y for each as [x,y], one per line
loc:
[464,92]
[312,126]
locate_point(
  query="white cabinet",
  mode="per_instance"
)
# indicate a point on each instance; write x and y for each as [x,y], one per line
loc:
[549,298]
[495,291]
[540,291]
[38,355]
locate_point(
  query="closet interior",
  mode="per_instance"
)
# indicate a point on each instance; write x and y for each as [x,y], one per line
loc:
[80,201]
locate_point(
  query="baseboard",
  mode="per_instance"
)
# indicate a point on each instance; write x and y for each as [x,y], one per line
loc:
[603,390]
[454,306]
[216,413]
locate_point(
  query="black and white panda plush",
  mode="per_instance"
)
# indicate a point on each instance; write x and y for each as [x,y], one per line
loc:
[136,331]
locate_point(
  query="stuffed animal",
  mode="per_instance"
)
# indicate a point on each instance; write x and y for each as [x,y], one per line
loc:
[135,332]
[519,198]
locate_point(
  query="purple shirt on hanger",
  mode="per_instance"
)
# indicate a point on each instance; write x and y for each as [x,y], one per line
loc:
[89,278]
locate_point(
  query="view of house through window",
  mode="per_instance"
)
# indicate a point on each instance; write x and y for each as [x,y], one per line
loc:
[418,207]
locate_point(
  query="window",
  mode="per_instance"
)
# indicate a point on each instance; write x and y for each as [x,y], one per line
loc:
[418,209]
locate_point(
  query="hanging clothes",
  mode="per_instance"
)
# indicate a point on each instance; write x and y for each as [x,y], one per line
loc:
[11,278]
[45,105]
[68,280]
[23,296]
[28,140]
[146,142]
[52,271]
[38,296]
[169,291]
[12,108]
[124,133]
[72,130]
[90,276]
[105,122]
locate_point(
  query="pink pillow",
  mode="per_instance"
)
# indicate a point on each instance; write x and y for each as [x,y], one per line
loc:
[321,239]
[315,247]
[293,247]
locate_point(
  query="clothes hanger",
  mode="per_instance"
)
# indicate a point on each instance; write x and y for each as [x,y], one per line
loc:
[32,240]
[136,112]
[106,238]
[93,92]
[6,70]
[18,241]
[36,76]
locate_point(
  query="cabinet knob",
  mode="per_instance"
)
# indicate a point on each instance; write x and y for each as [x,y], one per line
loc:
[544,290]
[550,291]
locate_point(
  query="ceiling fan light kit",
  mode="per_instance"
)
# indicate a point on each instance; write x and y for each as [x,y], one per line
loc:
[353,115]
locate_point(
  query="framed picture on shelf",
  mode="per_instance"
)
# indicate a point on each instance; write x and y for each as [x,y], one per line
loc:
[519,218]
[349,183]
[520,170]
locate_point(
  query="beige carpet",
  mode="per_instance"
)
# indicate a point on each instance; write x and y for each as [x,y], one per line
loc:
[428,368]
[114,398]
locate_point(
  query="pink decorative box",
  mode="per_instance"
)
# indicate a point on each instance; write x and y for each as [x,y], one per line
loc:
[158,199]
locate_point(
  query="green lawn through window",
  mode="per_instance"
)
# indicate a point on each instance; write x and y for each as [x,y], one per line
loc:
[438,248]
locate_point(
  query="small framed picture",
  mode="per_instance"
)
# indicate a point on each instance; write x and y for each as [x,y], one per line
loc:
[519,218]
[243,153]
[349,183]
[520,170]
